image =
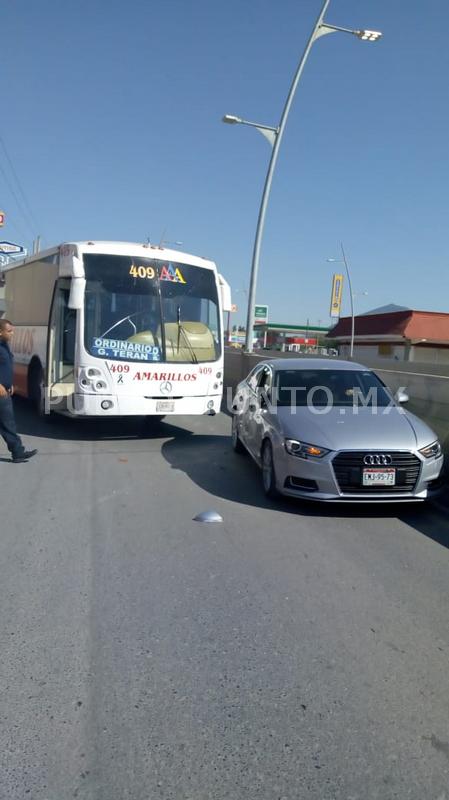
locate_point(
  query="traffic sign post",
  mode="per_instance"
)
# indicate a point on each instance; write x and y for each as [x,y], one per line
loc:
[260,318]
[260,315]
[336,296]
[232,310]
[9,248]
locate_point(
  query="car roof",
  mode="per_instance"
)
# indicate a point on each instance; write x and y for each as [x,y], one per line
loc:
[313,363]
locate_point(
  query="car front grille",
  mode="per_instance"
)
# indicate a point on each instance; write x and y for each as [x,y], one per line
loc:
[348,467]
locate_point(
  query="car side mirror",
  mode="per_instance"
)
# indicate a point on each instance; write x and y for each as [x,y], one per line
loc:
[402,397]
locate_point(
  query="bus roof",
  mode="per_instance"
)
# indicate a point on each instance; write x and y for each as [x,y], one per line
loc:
[144,250]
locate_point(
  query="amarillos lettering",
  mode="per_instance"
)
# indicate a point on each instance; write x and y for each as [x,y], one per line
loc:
[165,376]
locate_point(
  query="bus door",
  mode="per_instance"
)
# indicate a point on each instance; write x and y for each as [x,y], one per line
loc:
[61,347]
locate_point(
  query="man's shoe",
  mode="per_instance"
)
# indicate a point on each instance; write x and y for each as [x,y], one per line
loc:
[20,457]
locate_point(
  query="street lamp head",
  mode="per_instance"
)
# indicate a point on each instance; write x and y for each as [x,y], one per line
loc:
[231,120]
[369,36]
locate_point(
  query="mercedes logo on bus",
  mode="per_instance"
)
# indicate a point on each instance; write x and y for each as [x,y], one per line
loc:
[166,387]
[377,459]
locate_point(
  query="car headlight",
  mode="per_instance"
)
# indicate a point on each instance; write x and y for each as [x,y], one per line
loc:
[432,450]
[304,449]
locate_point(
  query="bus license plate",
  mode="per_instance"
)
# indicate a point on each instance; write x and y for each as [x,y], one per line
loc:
[379,477]
[164,406]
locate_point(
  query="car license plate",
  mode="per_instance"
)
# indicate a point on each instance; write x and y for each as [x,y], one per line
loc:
[164,406]
[379,477]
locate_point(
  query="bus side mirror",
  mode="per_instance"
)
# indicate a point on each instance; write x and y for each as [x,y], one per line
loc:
[225,291]
[76,297]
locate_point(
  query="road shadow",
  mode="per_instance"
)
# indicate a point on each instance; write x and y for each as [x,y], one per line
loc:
[210,462]
[55,426]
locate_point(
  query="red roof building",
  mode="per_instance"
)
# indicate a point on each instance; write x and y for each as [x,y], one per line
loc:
[403,335]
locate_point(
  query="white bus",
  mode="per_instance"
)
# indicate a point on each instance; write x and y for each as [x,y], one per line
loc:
[114,328]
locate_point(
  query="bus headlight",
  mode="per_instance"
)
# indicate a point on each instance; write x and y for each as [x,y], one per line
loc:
[92,379]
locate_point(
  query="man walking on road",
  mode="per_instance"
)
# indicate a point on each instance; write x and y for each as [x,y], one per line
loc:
[7,420]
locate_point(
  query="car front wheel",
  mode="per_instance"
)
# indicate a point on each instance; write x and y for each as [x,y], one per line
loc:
[268,471]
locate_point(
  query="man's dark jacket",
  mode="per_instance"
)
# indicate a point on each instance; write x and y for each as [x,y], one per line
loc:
[6,367]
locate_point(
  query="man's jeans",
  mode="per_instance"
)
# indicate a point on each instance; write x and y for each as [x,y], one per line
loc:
[8,427]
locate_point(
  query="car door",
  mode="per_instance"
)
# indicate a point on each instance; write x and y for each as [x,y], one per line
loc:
[258,410]
[245,401]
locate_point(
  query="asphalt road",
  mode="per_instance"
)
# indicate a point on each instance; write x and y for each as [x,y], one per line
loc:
[292,651]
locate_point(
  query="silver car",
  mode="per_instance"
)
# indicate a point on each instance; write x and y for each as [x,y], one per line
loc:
[331,430]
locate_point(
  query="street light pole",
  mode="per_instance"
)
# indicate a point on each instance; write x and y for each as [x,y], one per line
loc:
[351,349]
[268,131]
[268,180]
[344,261]
[274,136]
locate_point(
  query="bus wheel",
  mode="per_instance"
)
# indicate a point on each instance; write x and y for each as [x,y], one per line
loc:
[36,392]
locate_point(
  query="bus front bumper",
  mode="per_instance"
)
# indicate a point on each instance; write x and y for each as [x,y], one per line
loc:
[96,405]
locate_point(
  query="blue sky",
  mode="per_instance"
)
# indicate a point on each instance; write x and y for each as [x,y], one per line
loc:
[112,123]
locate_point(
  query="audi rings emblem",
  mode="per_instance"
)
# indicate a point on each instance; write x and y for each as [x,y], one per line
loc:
[166,387]
[377,459]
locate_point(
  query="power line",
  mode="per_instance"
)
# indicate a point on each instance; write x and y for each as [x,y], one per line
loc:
[18,203]
[19,185]
[22,204]
[18,230]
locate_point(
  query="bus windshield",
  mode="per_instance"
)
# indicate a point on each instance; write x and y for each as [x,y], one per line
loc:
[146,309]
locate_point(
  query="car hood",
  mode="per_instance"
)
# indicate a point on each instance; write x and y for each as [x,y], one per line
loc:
[392,428]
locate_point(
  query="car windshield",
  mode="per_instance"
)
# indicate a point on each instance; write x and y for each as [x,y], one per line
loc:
[327,387]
